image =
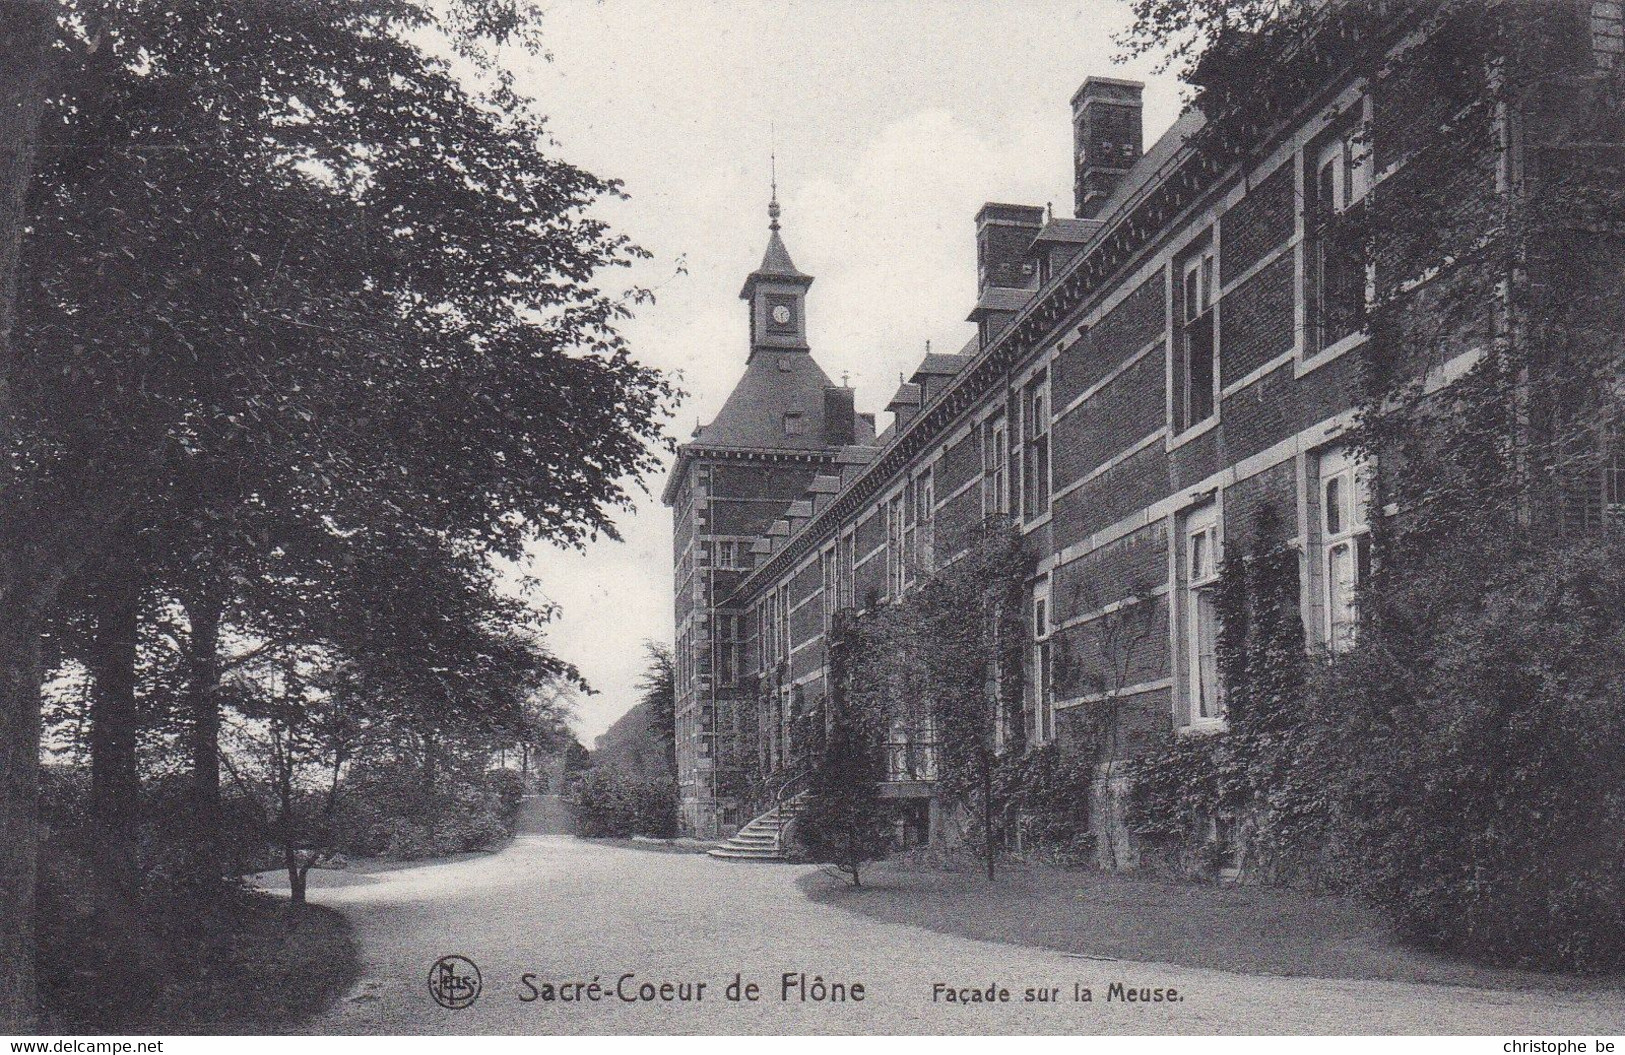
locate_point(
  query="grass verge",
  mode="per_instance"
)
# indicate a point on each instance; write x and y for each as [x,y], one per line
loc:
[1245,929]
[237,962]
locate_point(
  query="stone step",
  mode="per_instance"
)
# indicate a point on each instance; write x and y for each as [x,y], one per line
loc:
[761,838]
[731,853]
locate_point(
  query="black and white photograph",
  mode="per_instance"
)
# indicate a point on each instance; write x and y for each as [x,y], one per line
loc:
[654,518]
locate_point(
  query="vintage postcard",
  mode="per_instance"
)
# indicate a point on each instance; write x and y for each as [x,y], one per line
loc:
[712,517]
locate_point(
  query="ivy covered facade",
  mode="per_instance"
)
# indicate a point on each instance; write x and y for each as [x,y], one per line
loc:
[1177,377]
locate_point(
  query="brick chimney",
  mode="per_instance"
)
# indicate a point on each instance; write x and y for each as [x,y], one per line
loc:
[840,421]
[1107,138]
[1004,240]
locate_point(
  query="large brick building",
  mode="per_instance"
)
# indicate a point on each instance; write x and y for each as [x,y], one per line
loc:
[1146,376]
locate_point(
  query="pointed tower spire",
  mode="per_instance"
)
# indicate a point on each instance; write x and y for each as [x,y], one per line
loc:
[773,201]
[776,290]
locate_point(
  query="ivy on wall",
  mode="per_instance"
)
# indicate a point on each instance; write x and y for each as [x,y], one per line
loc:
[1247,797]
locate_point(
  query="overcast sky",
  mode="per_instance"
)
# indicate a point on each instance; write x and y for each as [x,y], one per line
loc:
[893,123]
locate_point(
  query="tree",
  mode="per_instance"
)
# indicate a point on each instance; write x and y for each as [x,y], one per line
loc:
[374,329]
[28,579]
[844,823]
[385,314]
[658,693]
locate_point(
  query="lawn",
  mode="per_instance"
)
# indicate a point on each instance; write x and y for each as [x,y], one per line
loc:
[239,962]
[1247,929]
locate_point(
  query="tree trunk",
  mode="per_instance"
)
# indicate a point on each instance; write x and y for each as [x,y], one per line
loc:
[298,874]
[203,612]
[987,818]
[431,768]
[114,776]
[25,30]
[20,676]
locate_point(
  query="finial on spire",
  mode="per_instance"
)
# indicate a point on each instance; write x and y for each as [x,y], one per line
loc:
[773,202]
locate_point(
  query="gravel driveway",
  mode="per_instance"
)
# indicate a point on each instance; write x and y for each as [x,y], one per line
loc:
[567,911]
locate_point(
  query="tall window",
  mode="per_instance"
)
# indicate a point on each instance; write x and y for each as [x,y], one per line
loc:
[1193,368]
[782,617]
[1345,533]
[925,501]
[828,597]
[1035,448]
[728,657]
[795,425]
[1613,486]
[894,547]
[1204,695]
[1043,688]
[1336,276]
[846,550]
[911,752]
[911,533]
[995,467]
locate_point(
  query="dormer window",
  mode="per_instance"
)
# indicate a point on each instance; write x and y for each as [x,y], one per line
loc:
[795,424]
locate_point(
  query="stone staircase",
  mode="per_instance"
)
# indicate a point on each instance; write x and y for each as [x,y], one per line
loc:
[762,839]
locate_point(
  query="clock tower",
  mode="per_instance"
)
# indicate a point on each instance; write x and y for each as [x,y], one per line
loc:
[777,294]
[784,427]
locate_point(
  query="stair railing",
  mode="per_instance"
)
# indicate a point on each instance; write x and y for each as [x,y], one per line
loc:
[791,784]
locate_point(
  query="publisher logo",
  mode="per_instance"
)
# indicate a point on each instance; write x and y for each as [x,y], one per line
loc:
[454,982]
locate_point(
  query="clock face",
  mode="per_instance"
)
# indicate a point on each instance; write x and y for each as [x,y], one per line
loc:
[781,314]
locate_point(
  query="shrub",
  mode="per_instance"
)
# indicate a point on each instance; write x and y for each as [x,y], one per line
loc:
[1479,769]
[1047,794]
[610,804]
[383,811]
[509,788]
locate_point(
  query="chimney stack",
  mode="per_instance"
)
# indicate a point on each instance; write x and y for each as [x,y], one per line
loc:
[1004,239]
[840,421]
[1107,139]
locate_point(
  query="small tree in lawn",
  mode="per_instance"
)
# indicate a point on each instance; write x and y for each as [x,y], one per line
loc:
[844,824]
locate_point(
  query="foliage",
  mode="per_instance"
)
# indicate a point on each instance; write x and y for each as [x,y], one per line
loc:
[382,814]
[948,658]
[317,407]
[1046,794]
[1478,770]
[843,822]
[628,785]
[607,803]
[1251,794]
[1454,762]
[642,742]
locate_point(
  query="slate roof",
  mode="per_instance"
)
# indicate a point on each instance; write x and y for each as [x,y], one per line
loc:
[1068,230]
[1001,298]
[776,383]
[776,265]
[941,364]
